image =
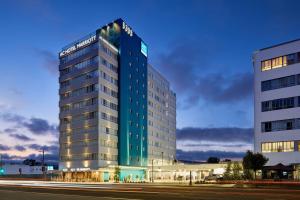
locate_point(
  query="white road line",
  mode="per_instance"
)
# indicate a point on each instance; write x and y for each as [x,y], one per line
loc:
[70,195]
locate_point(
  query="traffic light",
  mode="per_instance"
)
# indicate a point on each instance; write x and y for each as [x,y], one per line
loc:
[1,171]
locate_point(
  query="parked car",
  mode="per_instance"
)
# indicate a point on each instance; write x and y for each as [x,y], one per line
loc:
[212,178]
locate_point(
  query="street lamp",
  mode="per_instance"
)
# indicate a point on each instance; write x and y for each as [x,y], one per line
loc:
[43,162]
[152,173]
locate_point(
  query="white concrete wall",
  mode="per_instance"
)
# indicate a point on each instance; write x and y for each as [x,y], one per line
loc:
[259,116]
[26,169]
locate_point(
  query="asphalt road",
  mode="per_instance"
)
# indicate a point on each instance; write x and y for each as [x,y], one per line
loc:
[37,190]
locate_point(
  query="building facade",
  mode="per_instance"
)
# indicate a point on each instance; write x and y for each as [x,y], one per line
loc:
[104,104]
[161,120]
[277,102]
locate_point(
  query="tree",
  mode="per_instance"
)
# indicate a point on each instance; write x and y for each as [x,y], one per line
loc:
[259,162]
[30,162]
[236,169]
[247,164]
[253,161]
[213,160]
[227,173]
[117,174]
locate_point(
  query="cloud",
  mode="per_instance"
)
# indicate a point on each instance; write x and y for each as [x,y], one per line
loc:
[7,157]
[197,144]
[50,61]
[50,148]
[244,135]
[16,92]
[218,88]
[20,137]
[4,147]
[39,126]
[184,65]
[49,157]
[20,148]
[36,126]
[9,117]
[204,155]
[179,64]
[10,130]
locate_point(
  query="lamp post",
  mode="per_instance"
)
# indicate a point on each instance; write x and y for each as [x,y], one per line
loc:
[43,163]
[152,173]
[190,178]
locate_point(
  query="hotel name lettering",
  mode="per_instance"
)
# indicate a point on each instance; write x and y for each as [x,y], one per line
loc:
[127,29]
[78,45]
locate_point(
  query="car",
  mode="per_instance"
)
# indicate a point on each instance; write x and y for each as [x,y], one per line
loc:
[212,178]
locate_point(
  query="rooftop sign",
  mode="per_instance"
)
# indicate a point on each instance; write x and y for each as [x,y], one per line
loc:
[77,46]
[127,29]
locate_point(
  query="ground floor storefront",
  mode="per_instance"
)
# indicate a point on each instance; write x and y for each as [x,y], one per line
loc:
[125,174]
[280,171]
[109,174]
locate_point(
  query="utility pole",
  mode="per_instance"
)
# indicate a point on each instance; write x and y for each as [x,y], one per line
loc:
[190,178]
[162,158]
[43,163]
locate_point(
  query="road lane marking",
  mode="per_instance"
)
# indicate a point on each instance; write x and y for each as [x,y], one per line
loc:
[70,195]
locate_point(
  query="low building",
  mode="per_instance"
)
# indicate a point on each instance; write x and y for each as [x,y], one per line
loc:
[21,169]
[182,172]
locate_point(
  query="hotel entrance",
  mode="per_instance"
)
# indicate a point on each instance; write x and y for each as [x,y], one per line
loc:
[85,176]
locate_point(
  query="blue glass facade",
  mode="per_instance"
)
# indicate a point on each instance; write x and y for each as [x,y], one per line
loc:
[132,58]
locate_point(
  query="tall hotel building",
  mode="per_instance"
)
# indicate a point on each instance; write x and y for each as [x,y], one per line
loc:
[116,111]
[277,102]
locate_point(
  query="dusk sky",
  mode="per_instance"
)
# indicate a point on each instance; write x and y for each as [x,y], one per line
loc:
[203,48]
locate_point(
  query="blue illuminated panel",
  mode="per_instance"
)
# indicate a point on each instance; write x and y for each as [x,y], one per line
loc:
[132,60]
[132,99]
[144,49]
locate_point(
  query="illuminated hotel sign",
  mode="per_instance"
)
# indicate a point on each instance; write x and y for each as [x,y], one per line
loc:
[76,169]
[127,29]
[144,48]
[78,45]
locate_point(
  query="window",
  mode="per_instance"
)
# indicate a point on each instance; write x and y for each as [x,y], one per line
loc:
[91,115]
[282,82]
[65,83]
[78,53]
[278,104]
[277,62]
[286,146]
[109,117]
[280,125]
[291,59]
[280,61]
[266,65]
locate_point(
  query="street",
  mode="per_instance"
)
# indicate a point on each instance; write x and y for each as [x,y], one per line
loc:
[35,190]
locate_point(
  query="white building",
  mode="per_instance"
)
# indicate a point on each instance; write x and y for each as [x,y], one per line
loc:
[277,101]
[161,120]
[20,169]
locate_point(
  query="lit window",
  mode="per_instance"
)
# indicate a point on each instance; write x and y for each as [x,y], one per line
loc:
[266,65]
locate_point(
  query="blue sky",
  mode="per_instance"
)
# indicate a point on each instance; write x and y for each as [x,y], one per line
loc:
[203,47]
